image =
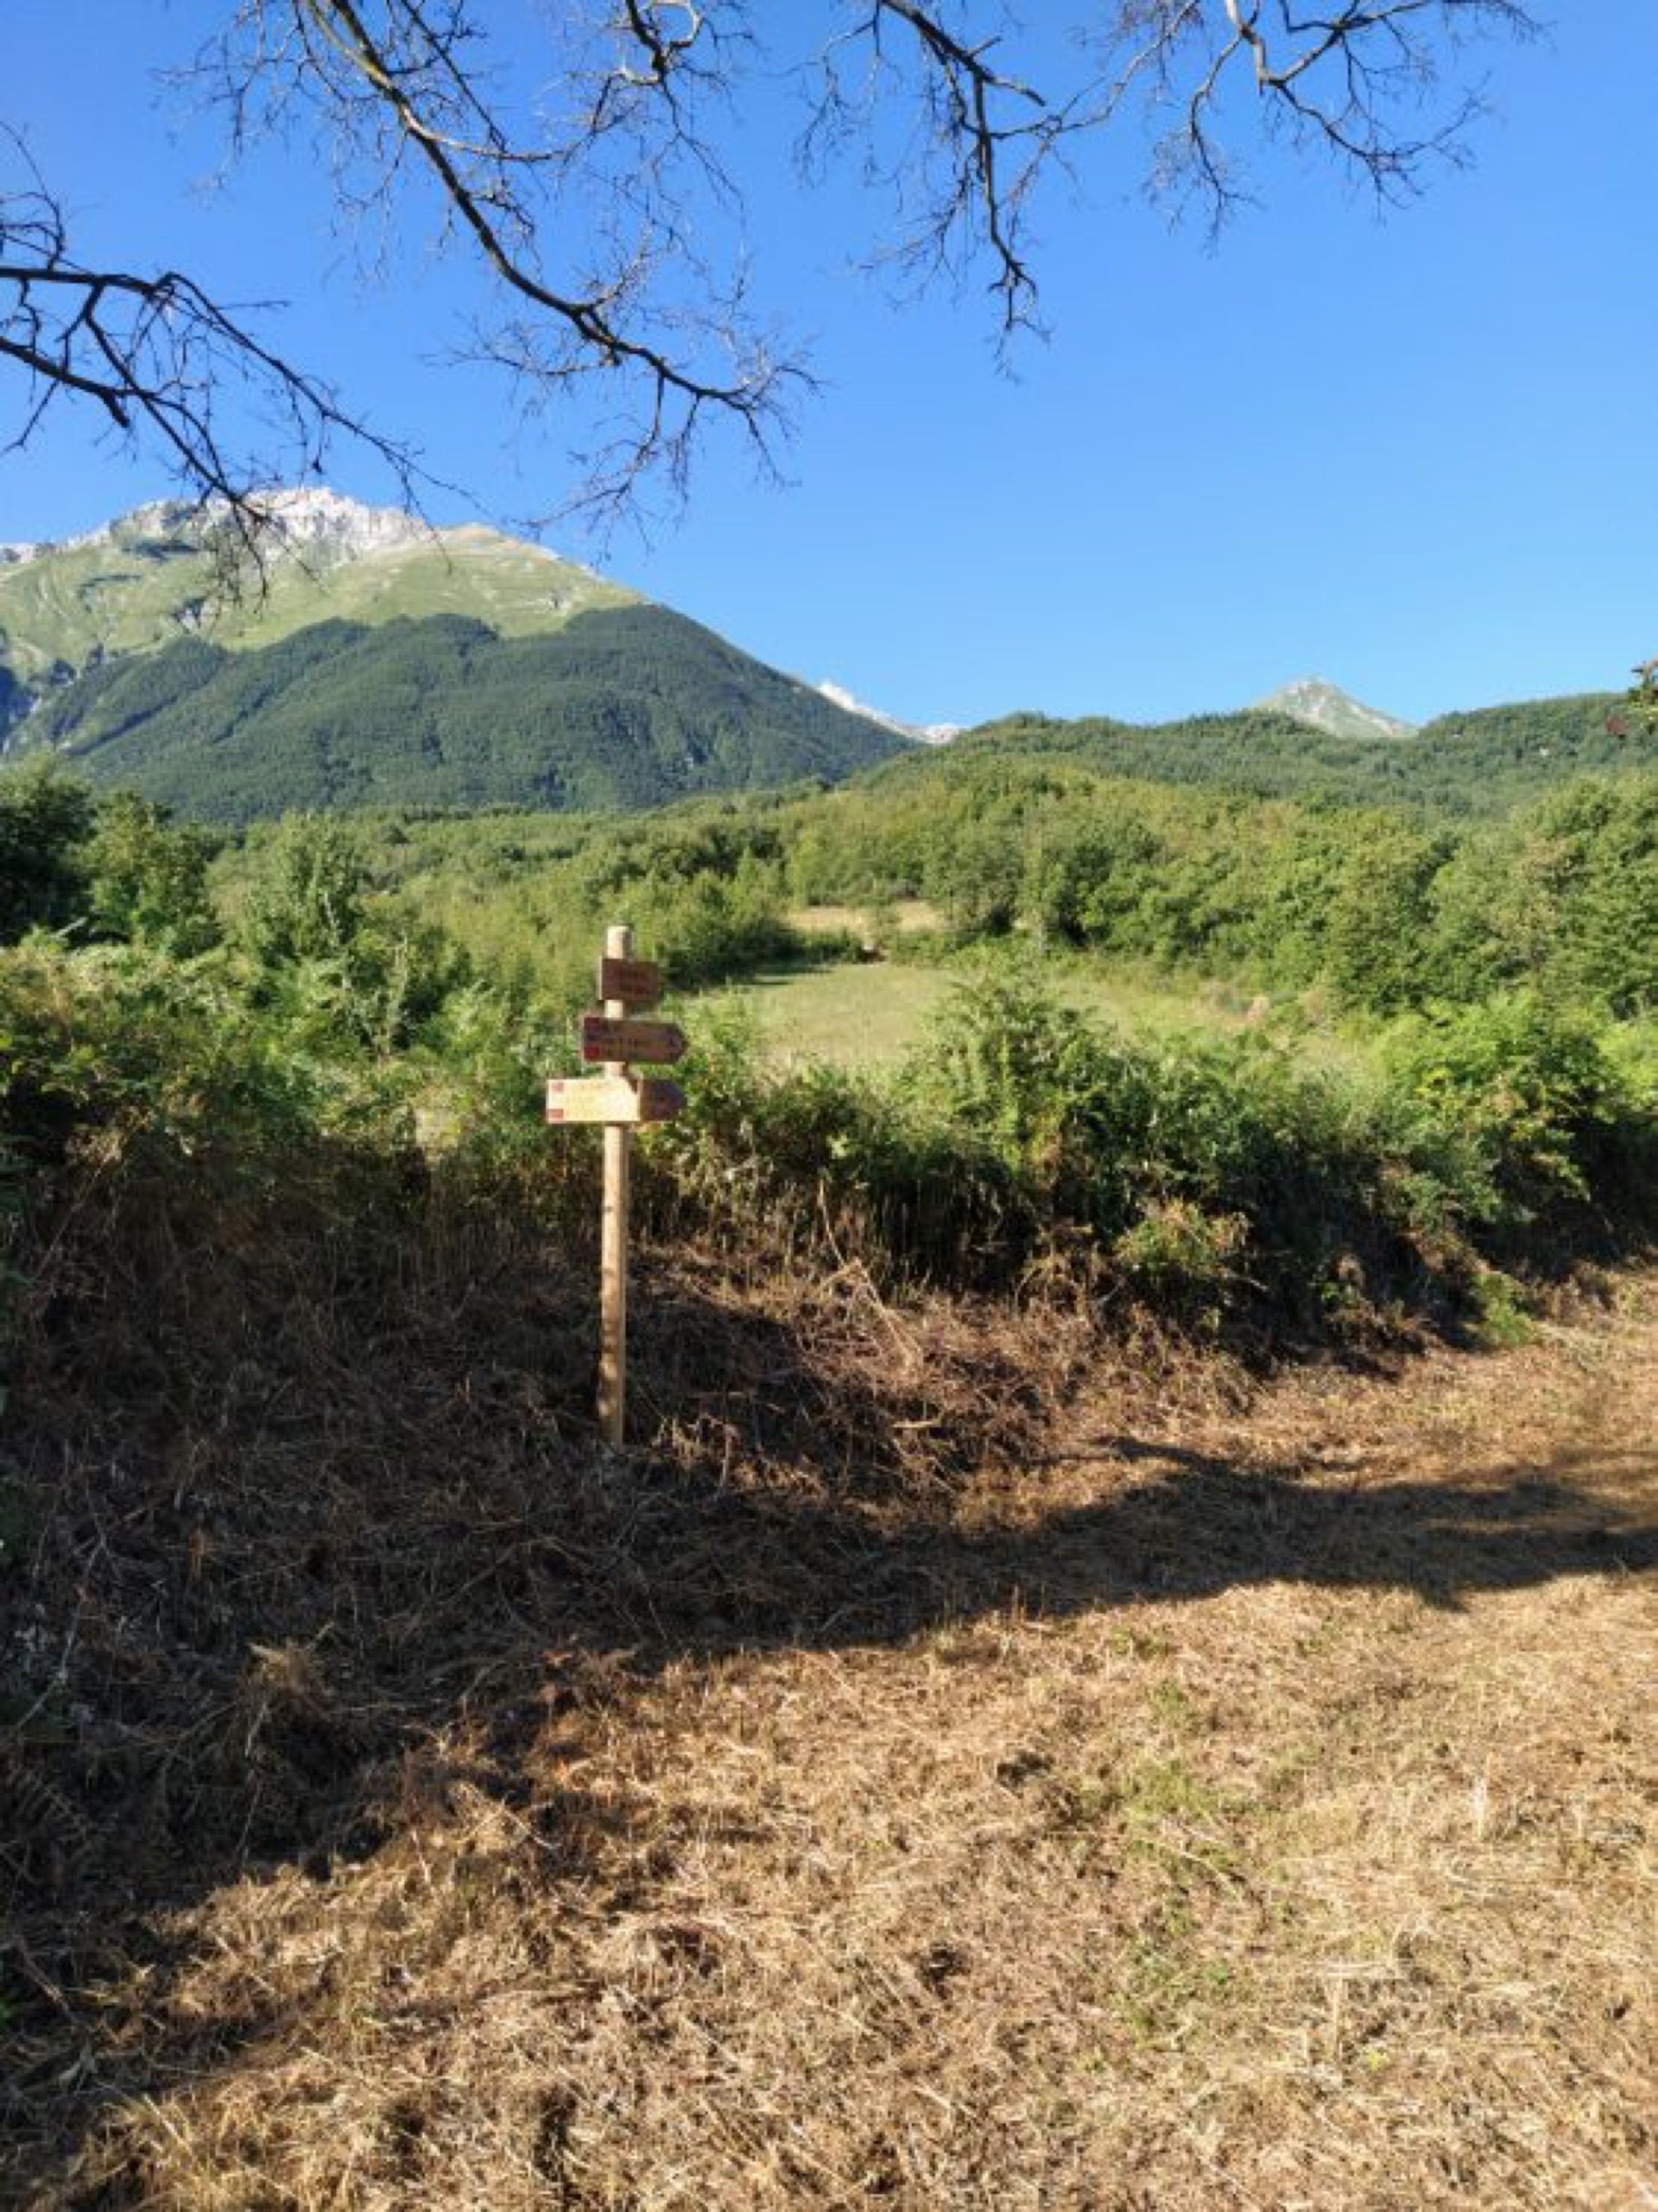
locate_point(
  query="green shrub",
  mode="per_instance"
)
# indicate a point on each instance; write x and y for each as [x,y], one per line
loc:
[820,1156]
[309,899]
[1183,1260]
[336,965]
[1531,1086]
[45,822]
[121,1045]
[148,877]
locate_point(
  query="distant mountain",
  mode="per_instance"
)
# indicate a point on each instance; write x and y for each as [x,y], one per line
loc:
[1325,706]
[383,663]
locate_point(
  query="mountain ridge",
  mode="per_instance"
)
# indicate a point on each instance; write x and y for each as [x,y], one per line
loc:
[147,578]
[386,660]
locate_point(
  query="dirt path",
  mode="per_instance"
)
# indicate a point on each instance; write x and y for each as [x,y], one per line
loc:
[1266,1819]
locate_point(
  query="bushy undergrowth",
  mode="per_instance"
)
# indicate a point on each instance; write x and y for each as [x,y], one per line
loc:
[324,1031]
[1205,1179]
[1202,1178]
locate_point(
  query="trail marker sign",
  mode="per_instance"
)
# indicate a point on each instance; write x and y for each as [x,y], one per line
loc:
[620,1102]
[633,983]
[626,1099]
[613,1038]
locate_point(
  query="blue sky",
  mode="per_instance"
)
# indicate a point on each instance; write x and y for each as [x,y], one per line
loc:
[1417,455]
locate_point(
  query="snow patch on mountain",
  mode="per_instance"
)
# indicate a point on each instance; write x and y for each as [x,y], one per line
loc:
[927,733]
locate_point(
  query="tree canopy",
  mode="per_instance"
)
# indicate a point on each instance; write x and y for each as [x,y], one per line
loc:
[603,215]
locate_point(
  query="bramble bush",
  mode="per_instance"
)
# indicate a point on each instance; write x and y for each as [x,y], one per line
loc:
[1530,1084]
[1200,1177]
[330,961]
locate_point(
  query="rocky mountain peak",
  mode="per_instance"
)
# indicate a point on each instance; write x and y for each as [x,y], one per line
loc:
[1325,706]
[312,519]
[309,521]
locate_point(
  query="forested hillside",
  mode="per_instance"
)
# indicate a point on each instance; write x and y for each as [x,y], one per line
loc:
[620,707]
[362,657]
[1479,761]
[1381,909]
[633,706]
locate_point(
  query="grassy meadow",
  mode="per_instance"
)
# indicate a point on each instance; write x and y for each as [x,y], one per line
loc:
[871,1014]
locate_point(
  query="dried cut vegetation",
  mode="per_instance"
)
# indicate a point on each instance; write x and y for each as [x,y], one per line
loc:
[954,1764]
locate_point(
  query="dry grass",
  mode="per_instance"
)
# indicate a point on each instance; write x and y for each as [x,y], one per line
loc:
[949,1768]
[906,916]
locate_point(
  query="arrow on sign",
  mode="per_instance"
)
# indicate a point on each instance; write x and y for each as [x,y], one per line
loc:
[612,1098]
[661,1099]
[604,1037]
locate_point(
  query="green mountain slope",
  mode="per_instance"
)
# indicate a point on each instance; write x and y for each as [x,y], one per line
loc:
[623,706]
[149,580]
[379,662]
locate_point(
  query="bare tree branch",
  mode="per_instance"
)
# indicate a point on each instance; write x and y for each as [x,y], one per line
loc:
[162,360]
[605,220]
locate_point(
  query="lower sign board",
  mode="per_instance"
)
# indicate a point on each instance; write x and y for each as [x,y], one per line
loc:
[612,1098]
[604,1037]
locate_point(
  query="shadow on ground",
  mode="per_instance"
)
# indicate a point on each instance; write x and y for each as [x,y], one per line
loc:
[296,1574]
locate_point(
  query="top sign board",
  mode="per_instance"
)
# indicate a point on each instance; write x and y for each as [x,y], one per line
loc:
[635,982]
[604,1037]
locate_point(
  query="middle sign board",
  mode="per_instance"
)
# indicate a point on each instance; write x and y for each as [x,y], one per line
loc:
[606,1037]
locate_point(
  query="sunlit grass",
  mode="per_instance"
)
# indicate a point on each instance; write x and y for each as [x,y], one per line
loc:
[869,1015]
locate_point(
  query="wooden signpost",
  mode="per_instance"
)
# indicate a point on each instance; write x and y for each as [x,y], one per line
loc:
[620,1102]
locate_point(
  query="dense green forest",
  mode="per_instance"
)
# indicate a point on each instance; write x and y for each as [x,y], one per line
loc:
[1383,910]
[622,707]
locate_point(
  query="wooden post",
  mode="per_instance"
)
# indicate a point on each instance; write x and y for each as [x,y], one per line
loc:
[622,1102]
[613,1235]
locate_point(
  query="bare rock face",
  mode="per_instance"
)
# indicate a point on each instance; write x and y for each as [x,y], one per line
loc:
[1327,706]
[308,522]
[318,521]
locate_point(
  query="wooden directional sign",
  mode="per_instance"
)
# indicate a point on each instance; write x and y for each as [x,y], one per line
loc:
[614,1098]
[607,1037]
[635,982]
[619,1102]
[591,1098]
